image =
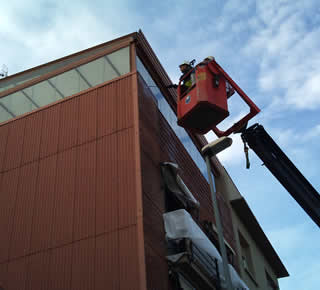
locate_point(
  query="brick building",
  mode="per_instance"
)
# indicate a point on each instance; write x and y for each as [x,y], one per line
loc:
[89,149]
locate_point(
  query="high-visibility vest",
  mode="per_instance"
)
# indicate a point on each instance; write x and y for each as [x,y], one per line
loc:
[190,80]
[188,83]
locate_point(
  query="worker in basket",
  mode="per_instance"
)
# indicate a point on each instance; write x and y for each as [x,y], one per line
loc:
[187,77]
[188,80]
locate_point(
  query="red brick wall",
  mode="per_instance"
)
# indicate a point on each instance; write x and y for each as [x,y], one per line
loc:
[159,144]
[68,198]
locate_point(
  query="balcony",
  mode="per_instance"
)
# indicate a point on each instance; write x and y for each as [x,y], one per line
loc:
[192,257]
[193,264]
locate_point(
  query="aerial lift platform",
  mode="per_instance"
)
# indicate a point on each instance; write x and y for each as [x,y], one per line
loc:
[201,107]
[205,104]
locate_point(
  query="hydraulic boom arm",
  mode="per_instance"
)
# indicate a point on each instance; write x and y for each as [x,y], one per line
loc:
[284,170]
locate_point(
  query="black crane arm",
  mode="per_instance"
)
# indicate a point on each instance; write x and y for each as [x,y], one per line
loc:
[284,170]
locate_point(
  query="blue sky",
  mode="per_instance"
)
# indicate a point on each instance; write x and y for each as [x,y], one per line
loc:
[270,48]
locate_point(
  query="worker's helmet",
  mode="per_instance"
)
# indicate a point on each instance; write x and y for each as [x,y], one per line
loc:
[185,63]
[209,58]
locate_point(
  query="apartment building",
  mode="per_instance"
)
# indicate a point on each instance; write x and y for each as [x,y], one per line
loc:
[95,175]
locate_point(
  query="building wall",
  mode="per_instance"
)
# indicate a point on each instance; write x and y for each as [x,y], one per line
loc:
[160,144]
[70,204]
[257,279]
[153,192]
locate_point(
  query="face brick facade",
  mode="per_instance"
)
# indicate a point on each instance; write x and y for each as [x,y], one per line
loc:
[82,196]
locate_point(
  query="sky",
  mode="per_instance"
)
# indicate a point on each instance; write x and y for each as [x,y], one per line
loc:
[270,48]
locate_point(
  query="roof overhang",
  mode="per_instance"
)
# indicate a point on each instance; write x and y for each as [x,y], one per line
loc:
[247,217]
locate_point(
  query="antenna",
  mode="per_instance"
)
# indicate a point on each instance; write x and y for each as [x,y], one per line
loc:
[4,71]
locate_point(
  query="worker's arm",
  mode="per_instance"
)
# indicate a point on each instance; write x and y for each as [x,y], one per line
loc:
[172,86]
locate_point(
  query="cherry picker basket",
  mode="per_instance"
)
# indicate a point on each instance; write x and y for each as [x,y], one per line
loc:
[204,105]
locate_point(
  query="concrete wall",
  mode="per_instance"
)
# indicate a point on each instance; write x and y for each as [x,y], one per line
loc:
[258,279]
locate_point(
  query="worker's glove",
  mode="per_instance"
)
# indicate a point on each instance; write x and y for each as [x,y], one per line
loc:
[172,86]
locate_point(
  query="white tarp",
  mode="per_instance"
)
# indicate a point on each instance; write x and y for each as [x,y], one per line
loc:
[179,224]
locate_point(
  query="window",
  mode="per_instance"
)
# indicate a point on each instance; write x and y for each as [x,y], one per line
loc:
[246,256]
[66,84]
[271,285]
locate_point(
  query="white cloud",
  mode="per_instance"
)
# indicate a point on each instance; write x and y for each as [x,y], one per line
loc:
[306,96]
[36,34]
[287,47]
[290,136]
[297,246]
[233,155]
[313,133]
[288,239]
